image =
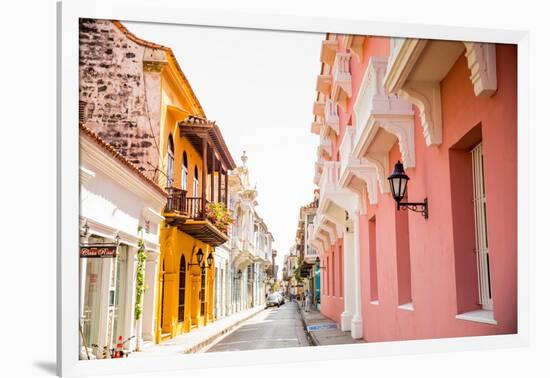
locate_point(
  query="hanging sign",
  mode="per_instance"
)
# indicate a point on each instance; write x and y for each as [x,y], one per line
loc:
[98,250]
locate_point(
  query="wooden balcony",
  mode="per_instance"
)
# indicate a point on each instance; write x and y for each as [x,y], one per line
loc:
[188,214]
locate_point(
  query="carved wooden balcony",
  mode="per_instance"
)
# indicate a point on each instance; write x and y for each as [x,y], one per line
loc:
[188,214]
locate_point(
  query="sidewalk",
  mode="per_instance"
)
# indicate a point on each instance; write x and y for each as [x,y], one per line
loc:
[330,336]
[197,339]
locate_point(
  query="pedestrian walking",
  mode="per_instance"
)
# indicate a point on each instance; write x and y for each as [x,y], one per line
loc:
[308,301]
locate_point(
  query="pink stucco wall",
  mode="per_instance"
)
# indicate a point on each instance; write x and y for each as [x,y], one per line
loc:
[332,290]
[430,262]
[442,282]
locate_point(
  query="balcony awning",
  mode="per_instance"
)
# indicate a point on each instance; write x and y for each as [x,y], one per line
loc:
[197,128]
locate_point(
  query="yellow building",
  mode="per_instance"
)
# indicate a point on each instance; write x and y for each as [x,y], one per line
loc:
[195,163]
[193,166]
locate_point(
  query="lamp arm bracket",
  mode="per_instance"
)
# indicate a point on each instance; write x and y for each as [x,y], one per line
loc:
[417,207]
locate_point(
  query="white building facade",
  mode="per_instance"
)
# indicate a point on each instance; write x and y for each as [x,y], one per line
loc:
[250,244]
[119,208]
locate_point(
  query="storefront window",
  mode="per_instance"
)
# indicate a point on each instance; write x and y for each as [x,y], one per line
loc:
[92,296]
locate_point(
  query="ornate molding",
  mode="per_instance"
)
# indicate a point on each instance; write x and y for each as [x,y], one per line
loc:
[341,87]
[403,129]
[331,231]
[381,163]
[426,96]
[325,143]
[331,116]
[482,64]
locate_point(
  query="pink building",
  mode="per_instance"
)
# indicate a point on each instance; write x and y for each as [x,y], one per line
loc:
[447,110]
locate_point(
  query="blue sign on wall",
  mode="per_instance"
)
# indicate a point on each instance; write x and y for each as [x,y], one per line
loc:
[320,327]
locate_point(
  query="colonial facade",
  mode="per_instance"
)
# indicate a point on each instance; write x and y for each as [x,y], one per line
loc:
[120,208]
[135,96]
[251,243]
[447,111]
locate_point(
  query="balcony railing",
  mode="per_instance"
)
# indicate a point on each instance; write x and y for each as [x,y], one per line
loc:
[329,177]
[180,209]
[178,202]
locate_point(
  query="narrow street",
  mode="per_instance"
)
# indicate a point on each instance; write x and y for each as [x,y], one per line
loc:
[272,328]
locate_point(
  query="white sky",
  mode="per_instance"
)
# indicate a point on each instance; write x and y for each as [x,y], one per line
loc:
[260,87]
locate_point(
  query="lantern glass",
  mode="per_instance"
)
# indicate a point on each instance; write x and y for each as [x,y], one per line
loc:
[199,256]
[209,259]
[398,182]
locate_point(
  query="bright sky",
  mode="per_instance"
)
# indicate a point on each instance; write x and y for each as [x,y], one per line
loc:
[259,86]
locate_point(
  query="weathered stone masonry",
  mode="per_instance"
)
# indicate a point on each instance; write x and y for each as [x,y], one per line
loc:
[119,100]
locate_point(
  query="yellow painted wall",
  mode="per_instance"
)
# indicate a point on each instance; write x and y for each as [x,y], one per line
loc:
[176,105]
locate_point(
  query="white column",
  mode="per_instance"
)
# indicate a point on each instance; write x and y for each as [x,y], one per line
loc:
[126,308]
[357,321]
[349,308]
[149,296]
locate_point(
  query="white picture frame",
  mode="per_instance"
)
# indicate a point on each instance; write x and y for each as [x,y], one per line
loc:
[68,363]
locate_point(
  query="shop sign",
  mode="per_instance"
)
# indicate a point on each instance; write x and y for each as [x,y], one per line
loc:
[98,250]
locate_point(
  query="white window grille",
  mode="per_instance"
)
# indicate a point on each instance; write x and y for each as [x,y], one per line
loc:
[482,245]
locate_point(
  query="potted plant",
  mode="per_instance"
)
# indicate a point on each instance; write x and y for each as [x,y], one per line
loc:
[219,215]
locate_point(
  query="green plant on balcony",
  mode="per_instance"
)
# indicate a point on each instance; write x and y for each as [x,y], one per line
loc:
[219,215]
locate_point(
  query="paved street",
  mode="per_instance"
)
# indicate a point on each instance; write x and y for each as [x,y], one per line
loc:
[272,328]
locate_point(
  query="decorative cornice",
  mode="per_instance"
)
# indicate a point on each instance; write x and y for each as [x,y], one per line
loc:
[403,129]
[381,163]
[330,229]
[482,63]
[426,97]
[94,155]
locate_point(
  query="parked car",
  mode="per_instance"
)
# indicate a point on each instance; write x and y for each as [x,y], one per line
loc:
[273,300]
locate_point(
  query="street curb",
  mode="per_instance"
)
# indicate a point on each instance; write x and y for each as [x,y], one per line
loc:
[312,339]
[211,339]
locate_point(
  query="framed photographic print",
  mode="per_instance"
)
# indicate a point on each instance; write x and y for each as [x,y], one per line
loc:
[234,185]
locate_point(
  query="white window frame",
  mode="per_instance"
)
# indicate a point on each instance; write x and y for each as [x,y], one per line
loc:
[480,215]
[184,175]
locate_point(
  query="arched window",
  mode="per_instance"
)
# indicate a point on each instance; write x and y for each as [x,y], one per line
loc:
[184,172]
[196,183]
[181,290]
[170,162]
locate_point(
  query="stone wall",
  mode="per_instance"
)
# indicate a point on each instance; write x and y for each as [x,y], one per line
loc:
[113,93]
